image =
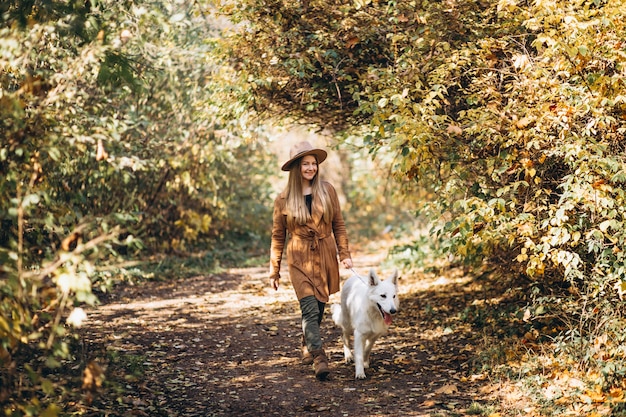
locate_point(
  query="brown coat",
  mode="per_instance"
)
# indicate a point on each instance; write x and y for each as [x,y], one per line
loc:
[311,250]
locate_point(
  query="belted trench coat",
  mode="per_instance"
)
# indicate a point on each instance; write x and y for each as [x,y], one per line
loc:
[312,248]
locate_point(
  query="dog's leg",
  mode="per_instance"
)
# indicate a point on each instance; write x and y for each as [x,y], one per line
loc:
[366,353]
[359,340]
[369,344]
[345,337]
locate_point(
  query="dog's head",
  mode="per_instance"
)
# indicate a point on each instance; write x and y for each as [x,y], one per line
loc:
[384,294]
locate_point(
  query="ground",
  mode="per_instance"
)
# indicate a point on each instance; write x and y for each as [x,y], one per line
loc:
[227,345]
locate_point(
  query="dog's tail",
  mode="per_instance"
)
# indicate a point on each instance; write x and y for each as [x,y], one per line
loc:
[335,309]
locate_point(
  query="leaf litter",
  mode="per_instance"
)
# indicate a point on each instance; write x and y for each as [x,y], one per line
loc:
[228,345]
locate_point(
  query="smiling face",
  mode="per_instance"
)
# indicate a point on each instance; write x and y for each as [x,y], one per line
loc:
[308,167]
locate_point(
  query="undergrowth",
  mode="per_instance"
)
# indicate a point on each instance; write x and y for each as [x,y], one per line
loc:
[563,357]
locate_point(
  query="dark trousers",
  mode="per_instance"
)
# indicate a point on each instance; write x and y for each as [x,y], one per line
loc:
[312,313]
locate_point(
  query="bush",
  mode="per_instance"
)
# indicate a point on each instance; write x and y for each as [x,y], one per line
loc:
[122,134]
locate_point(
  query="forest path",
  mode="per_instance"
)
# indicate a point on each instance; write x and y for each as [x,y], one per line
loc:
[227,345]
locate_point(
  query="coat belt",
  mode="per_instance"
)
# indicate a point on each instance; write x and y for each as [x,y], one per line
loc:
[310,236]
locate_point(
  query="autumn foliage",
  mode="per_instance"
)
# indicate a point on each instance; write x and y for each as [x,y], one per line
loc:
[119,139]
[510,114]
[128,129]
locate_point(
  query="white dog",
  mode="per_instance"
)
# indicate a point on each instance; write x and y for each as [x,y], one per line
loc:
[366,310]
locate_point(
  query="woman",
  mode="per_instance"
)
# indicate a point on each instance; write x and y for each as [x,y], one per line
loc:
[309,210]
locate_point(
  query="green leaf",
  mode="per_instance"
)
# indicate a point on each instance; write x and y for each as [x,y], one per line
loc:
[52,363]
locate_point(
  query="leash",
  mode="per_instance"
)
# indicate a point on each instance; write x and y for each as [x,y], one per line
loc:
[359,277]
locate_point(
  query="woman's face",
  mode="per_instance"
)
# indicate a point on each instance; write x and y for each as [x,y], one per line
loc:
[308,167]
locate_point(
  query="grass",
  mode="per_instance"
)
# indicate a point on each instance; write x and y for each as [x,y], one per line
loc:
[477,409]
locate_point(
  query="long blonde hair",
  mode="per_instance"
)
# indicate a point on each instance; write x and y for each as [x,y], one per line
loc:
[297,211]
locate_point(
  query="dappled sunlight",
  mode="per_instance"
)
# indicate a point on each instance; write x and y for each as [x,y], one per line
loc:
[228,336]
[427,282]
[152,304]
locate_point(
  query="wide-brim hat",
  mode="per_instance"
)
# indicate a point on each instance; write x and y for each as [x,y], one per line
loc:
[303,149]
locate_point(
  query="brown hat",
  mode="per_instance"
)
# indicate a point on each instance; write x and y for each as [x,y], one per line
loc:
[303,149]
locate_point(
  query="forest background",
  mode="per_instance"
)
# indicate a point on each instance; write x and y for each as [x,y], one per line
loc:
[485,134]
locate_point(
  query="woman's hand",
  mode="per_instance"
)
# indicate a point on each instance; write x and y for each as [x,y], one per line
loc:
[347,263]
[274,283]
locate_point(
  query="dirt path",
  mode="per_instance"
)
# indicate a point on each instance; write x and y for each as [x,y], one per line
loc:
[226,345]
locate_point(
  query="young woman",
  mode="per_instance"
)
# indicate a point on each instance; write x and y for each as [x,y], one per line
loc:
[308,209]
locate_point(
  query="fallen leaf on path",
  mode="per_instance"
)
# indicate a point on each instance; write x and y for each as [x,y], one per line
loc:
[576,383]
[616,394]
[488,389]
[402,360]
[447,389]
[593,396]
[93,375]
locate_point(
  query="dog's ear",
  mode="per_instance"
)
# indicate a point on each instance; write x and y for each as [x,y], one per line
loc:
[394,277]
[373,278]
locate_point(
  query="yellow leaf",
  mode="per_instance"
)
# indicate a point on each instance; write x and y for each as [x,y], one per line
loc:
[616,394]
[206,223]
[596,396]
[447,389]
[523,122]
[402,360]
[51,411]
[4,325]
[93,376]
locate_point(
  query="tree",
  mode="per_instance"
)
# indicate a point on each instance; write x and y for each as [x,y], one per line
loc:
[510,112]
[122,133]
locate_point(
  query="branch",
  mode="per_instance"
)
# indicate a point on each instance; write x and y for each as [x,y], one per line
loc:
[77,251]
